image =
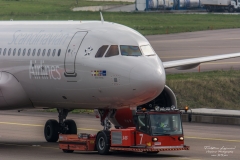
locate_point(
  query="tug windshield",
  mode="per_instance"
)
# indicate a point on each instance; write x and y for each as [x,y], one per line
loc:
[165,124]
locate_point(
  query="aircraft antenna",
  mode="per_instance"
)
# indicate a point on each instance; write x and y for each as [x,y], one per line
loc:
[101,17]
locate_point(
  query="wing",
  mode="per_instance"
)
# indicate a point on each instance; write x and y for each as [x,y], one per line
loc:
[194,62]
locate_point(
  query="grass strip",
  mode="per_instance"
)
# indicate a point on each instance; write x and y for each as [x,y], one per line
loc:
[147,23]
[215,89]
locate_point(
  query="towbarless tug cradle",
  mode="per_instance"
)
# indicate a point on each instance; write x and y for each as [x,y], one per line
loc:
[155,130]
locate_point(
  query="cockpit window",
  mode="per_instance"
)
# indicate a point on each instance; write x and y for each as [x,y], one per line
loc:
[101,51]
[130,50]
[147,50]
[112,51]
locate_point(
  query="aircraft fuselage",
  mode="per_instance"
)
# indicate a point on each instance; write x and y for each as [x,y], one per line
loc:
[60,65]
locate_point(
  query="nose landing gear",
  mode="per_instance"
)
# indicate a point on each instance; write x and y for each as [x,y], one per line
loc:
[103,141]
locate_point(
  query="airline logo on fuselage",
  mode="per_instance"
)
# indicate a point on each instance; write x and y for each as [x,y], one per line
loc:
[38,38]
[43,71]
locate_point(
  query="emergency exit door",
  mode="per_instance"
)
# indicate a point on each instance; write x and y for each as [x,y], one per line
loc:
[71,53]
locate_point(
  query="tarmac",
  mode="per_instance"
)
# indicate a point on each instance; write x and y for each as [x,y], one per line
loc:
[22,138]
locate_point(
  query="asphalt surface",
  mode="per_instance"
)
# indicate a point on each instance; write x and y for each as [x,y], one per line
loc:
[21,138]
[198,44]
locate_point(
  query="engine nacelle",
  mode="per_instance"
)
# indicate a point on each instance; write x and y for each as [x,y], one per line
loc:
[12,94]
[124,117]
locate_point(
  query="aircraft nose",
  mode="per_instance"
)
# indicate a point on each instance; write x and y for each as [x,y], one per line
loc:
[147,82]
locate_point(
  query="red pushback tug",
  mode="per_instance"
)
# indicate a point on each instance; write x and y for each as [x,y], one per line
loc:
[154,131]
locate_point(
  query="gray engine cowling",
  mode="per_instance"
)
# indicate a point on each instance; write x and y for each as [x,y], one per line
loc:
[12,94]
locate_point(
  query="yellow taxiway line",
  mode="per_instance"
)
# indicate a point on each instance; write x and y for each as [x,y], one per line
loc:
[38,125]
[21,124]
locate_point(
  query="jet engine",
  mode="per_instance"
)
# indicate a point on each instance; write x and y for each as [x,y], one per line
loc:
[124,117]
[12,94]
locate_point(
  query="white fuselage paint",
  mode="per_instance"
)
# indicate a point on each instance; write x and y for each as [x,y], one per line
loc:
[55,64]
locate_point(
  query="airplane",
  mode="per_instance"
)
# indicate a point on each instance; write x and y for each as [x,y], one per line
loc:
[71,65]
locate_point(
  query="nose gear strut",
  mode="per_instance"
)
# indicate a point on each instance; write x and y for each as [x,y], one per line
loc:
[104,114]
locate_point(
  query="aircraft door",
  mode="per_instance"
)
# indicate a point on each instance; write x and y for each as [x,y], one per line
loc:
[71,53]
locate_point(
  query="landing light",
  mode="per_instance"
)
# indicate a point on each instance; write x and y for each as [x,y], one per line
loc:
[162,109]
[173,107]
[168,108]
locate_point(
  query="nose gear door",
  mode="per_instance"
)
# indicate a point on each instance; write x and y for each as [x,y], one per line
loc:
[71,53]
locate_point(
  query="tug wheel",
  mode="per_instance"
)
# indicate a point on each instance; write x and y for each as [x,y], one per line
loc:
[102,143]
[67,151]
[154,152]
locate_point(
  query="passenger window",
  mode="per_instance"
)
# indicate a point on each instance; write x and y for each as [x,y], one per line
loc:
[101,51]
[24,51]
[59,52]
[29,51]
[39,51]
[112,51]
[44,51]
[4,52]
[53,54]
[130,50]
[54,51]
[9,51]
[49,51]
[0,51]
[14,51]
[19,51]
[34,51]
[48,54]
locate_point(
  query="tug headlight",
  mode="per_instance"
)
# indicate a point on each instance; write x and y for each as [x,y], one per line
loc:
[154,139]
[180,138]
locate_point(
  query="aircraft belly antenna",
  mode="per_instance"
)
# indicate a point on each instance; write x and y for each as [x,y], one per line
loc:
[101,17]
